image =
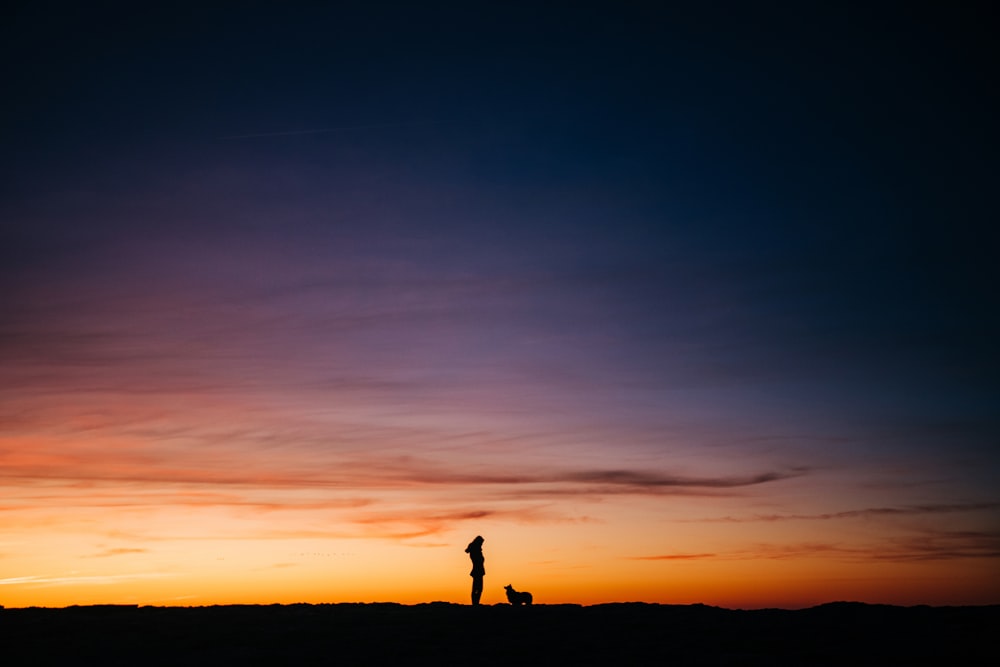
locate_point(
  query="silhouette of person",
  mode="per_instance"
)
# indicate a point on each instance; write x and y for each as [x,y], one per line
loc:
[475,551]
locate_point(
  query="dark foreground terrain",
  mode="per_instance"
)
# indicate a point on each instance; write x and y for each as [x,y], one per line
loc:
[443,633]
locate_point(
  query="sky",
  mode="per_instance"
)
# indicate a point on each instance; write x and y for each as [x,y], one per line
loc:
[670,304]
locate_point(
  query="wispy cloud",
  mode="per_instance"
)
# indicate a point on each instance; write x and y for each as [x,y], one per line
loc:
[194,451]
[412,524]
[676,557]
[646,480]
[909,510]
[943,545]
[118,552]
[111,497]
[72,580]
[927,546]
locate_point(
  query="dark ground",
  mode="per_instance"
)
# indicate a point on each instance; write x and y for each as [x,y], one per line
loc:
[444,633]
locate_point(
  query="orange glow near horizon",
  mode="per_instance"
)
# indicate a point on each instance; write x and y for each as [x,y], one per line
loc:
[287,534]
[248,571]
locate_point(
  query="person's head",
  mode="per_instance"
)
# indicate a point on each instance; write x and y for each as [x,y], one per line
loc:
[475,544]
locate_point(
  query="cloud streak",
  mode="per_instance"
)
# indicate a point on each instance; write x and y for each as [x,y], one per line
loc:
[706,556]
[128,466]
[646,480]
[911,510]
[943,545]
[122,551]
[928,546]
[75,580]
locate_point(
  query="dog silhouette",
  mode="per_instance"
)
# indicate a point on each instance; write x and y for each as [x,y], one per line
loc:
[517,597]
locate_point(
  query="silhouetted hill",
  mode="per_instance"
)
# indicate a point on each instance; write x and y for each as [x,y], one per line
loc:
[620,633]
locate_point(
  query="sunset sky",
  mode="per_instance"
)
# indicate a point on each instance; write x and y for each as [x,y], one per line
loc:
[677,306]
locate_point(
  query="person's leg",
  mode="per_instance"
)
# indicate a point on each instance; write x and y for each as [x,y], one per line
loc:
[477,589]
